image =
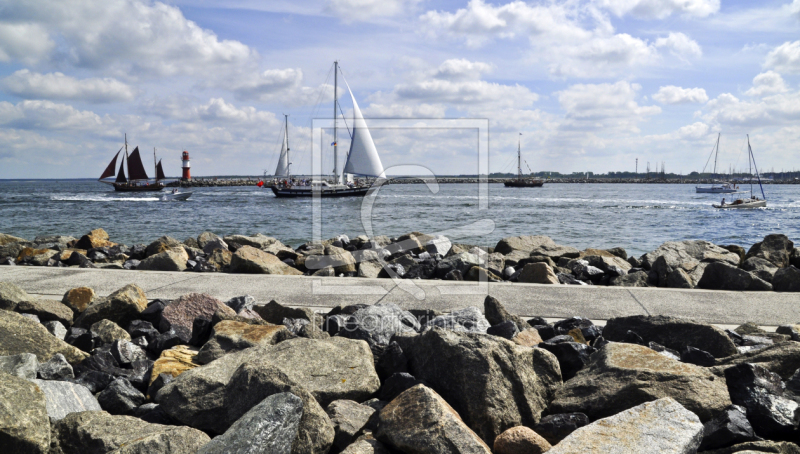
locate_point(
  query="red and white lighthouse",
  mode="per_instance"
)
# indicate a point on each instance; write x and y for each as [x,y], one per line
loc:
[185,165]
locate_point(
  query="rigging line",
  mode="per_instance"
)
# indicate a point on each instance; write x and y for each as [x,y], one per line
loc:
[710,155]
[345,121]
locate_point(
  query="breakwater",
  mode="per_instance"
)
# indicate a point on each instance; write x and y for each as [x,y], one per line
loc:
[132,374]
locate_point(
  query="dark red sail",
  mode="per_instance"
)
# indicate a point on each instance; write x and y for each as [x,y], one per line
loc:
[121,175]
[135,166]
[160,171]
[109,172]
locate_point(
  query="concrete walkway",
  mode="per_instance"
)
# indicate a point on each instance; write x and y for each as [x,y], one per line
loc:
[597,303]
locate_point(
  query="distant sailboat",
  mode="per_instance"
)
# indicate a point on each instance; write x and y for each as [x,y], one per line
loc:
[723,188]
[521,182]
[137,179]
[362,159]
[753,201]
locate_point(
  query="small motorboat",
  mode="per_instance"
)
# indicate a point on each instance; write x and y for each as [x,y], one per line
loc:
[175,196]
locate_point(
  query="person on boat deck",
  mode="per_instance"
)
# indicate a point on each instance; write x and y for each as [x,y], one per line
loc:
[723,201]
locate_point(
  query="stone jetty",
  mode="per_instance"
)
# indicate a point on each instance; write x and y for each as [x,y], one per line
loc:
[772,264]
[121,373]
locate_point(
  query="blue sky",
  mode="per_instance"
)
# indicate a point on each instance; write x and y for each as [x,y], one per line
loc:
[591,84]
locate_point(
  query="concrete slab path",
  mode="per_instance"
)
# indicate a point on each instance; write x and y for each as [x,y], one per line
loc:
[597,303]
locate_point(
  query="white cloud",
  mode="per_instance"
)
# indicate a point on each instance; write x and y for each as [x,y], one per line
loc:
[767,83]
[574,40]
[423,110]
[603,107]
[680,45]
[774,110]
[677,95]
[31,85]
[262,86]
[363,10]
[659,9]
[46,115]
[25,42]
[785,58]
[127,37]
[461,69]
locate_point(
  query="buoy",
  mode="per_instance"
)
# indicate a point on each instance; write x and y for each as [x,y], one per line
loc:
[185,166]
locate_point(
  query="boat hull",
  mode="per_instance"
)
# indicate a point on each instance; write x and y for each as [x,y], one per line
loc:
[125,187]
[743,205]
[181,196]
[714,190]
[306,192]
[524,184]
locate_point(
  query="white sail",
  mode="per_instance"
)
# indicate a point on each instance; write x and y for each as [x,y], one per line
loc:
[363,157]
[283,162]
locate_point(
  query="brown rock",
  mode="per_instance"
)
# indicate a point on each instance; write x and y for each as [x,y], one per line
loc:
[78,299]
[520,440]
[231,336]
[538,273]
[47,310]
[173,259]
[19,334]
[6,239]
[220,258]
[38,257]
[93,239]
[24,425]
[419,421]
[248,259]
[180,313]
[527,338]
[174,361]
[162,244]
[121,307]
[11,295]
[66,253]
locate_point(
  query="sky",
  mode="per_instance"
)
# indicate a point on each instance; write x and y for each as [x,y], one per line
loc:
[591,85]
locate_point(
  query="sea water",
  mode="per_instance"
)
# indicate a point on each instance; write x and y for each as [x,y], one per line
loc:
[638,217]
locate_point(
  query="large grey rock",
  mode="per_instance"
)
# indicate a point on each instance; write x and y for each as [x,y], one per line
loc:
[755,447]
[229,336]
[209,237]
[274,312]
[782,359]
[11,295]
[258,241]
[97,432]
[673,332]
[659,427]
[419,421]
[170,260]
[56,329]
[762,268]
[535,245]
[775,248]
[121,307]
[23,365]
[162,244]
[723,276]
[636,279]
[438,245]
[63,398]
[269,427]
[467,320]
[786,280]
[57,368]
[492,383]
[761,393]
[46,310]
[24,426]
[728,428]
[366,445]
[332,369]
[621,376]
[19,334]
[537,273]
[108,332]
[676,253]
[258,379]
[461,262]
[348,418]
[376,324]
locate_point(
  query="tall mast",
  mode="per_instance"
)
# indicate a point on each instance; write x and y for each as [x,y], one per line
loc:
[335,144]
[126,145]
[155,163]
[288,163]
[716,154]
[519,157]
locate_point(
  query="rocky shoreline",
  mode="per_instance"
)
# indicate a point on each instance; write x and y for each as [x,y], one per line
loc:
[120,374]
[200,182]
[769,265]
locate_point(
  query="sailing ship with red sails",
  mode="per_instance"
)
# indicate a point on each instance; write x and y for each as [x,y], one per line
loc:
[137,179]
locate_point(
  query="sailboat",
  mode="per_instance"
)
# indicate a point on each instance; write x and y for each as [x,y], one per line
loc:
[137,179]
[723,188]
[753,201]
[362,158]
[520,182]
